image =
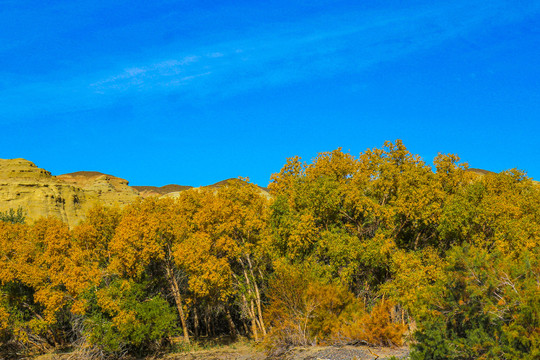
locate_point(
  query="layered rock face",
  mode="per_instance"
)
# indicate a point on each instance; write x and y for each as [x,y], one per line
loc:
[23,184]
[68,197]
[108,189]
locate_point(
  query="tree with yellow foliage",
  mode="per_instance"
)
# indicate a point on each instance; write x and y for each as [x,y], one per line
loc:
[145,239]
[46,272]
[221,246]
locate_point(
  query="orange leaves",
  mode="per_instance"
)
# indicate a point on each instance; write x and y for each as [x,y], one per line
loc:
[44,272]
[144,234]
[210,275]
[221,232]
[52,299]
[14,249]
[351,229]
[375,328]
[201,236]
[96,232]
[304,310]
[60,261]
[4,313]
[221,226]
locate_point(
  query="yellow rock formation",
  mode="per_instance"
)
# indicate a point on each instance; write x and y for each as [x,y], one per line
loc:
[68,197]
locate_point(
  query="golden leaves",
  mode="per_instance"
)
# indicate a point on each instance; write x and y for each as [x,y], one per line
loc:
[221,227]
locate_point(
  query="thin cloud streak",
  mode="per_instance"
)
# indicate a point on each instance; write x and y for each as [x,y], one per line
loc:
[140,76]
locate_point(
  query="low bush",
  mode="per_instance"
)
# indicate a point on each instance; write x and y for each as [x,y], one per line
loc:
[377,327]
[305,310]
[489,309]
[125,319]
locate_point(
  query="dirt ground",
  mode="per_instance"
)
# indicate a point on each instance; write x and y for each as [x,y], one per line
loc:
[244,351]
[307,353]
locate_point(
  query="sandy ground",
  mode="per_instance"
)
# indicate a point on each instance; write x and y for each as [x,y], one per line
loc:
[246,352]
[307,353]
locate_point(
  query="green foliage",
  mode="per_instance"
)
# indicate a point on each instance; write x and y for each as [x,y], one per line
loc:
[13,216]
[386,224]
[352,213]
[125,318]
[489,308]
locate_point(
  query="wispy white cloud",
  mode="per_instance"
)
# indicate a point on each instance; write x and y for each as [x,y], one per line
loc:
[147,75]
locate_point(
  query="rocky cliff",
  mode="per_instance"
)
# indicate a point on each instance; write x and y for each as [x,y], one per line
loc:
[69,196]
[23,184]
[108,189]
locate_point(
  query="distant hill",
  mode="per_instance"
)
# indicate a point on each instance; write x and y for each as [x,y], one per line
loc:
[224,182]
[85,174]
[173,189]
[480,171]
[146,191]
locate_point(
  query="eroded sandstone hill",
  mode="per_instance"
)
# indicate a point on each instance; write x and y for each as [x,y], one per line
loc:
[23,184]
[108,189]
[69,196]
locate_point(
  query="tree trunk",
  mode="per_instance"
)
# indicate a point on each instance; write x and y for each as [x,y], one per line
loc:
[257,297]
[212,327]
[253,318]
[207,325]
[178,300]
[232,327]
[50,331]
[196,321]
[254,329]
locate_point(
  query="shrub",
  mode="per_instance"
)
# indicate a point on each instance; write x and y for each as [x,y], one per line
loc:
[125,319]
[305,310]
[12,216]
[490,309]
[377,327]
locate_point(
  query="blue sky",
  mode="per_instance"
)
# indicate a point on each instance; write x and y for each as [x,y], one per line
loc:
[193,92]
